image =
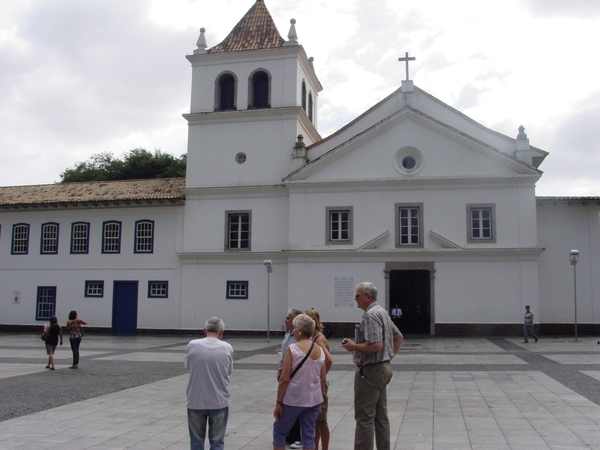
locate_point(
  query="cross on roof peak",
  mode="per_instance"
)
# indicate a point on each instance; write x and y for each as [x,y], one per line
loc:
[406,59]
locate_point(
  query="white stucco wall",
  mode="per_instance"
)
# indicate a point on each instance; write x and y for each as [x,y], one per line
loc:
[312,284]
[287,67]
[444,212]
[561,228]
[68,272]
[206,221]
[485,292]
[267,144]
[205,290]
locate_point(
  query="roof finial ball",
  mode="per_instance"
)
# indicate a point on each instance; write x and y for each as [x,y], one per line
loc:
[201,44]
[292,35]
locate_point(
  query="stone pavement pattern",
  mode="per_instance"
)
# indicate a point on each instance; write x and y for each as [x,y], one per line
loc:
[129,393]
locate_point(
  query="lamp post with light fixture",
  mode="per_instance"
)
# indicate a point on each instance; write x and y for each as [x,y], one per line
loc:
[573,257]
[269,266]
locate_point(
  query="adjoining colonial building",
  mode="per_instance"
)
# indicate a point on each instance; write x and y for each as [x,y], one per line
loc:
[437,210]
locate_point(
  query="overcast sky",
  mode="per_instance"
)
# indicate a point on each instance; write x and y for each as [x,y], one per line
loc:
[80,77]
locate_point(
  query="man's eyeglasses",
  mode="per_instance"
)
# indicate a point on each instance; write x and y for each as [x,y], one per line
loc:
[358,295]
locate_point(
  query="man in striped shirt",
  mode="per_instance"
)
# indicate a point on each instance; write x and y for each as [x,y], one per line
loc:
[377,340]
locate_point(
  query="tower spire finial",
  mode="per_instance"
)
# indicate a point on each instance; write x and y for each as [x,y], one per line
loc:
[201,44]
[292,35]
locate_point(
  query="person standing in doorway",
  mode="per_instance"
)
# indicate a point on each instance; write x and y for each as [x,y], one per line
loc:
[396,315]
[377,341]
[75,335]
[210,363]
[528,326]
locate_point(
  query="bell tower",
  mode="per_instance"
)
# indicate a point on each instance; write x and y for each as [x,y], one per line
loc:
[252,95]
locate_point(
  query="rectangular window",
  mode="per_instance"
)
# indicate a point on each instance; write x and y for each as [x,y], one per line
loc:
[49,245]
[94,288]
[339,225]
[238,230]
[144,236]
[80,237]
[158,289]
[20,239]
[237,290]
[481,223]
[111,237]
[46,302]
[409,225]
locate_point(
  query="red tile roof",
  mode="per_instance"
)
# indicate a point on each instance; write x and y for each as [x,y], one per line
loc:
[93,191]
[255,31]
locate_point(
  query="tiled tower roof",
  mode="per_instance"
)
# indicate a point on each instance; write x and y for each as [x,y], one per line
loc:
[255,31]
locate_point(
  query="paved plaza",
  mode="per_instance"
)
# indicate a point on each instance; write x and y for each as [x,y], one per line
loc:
[471,393]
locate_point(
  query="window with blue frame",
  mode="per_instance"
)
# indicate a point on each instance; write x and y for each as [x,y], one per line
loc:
[144,236]
[20,239]
[158,289]
[49,239]
[237,290]
[94,288]
[46,302]
[111,237]
[80,237]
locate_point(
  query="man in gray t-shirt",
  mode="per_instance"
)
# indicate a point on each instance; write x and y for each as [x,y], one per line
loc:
[528,325]
[210,363]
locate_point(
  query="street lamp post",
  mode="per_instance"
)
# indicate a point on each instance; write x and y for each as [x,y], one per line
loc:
[573,257]
[269,266]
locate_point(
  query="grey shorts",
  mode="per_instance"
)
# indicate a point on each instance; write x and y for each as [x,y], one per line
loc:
[50,349]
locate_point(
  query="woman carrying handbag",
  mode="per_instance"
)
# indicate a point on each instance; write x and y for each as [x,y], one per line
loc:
[301,386]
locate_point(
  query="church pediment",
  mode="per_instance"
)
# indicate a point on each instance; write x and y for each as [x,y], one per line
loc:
[411,145]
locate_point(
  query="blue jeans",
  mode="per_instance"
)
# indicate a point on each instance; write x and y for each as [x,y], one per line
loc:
[306,415]
[75,342]
[217,423]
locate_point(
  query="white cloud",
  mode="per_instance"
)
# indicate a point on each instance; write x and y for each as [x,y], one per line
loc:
[78,78]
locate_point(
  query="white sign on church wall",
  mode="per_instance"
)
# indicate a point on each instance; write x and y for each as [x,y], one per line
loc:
[344,291]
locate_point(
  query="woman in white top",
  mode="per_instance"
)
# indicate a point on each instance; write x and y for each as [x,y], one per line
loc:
[321,426]
[300,394]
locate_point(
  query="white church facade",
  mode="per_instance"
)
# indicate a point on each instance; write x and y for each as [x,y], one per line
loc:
[438,211]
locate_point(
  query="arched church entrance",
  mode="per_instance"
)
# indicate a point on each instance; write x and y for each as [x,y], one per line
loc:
[410,287]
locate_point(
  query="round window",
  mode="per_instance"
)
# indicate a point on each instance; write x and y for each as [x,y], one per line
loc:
[408,160]
[240,158]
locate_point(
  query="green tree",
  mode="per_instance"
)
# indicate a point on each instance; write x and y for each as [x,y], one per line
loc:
[137,164]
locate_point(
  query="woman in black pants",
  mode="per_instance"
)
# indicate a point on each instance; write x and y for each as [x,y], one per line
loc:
[76,333]
[54,331]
